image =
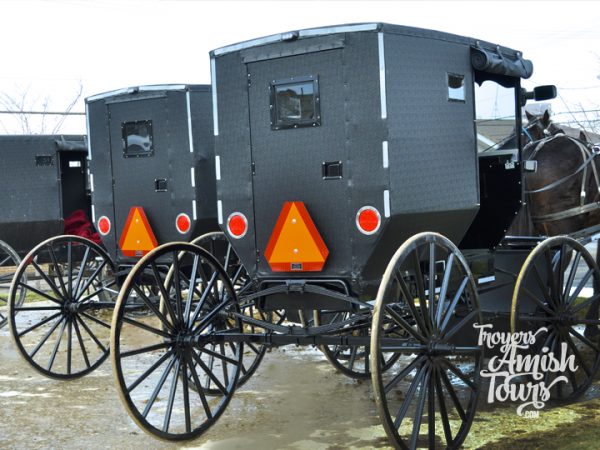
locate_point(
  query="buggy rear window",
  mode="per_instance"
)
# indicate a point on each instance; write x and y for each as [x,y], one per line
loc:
[137,138]
[456,88]
[295,103]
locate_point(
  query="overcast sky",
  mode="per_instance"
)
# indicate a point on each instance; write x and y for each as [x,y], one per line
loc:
[50,47]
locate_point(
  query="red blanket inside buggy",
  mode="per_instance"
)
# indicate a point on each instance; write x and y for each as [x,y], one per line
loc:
[79,225]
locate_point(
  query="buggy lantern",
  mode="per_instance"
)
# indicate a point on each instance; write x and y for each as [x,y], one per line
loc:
[104,225]
[368,220]
[237,225]
[183,223]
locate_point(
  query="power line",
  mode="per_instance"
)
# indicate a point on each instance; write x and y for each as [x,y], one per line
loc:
[50,113]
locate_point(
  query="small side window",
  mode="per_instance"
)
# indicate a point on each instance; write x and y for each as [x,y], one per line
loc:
[295,103]
[456,88]
[137,139]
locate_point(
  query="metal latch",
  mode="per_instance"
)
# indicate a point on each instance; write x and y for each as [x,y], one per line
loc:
[530,165]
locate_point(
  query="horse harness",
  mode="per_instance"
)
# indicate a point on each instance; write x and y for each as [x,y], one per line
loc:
[588,154]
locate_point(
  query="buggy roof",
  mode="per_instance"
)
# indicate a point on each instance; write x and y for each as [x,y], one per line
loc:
[148,88]
[358,27]
[489,57]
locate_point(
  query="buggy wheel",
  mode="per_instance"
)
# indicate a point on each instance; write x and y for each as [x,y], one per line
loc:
[62,325]
[554,294]
[428,295]
[352,361]
[218,246]
[161,363]
[9,261]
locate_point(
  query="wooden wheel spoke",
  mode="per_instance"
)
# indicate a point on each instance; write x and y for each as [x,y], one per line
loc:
[578,355]
[431,289]
[411,304]
[90,280]
[198,386]
[452,305]
[402,374]
[580,286]
[571,277]
[443,410]
[409,395]
[91,334]
[419,409]
[39,324]
[171,398]
[46,336]
[48,281]
[582,305]
[459,373]
[444,289]
[40,293]
[585,340]
[464,321]
[57,268]
[158,386]
[145,327]
[149,371]
[400,321]
[536,300]
[146,349]
[57,344]
[95,319]
[459,408]
[82,267]
[81,345]
[208,371]
[542,287]
[150,304]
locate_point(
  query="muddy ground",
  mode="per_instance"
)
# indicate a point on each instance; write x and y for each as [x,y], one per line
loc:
[296,400]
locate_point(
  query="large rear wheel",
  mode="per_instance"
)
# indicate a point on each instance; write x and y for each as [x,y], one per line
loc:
[554,296]
[164,363]
[428,295]
[61,325]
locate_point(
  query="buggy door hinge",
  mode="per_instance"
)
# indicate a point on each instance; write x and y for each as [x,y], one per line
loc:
[249,80]
[253,168]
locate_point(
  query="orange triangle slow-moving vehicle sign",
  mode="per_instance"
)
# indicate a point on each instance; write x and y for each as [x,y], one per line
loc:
[137,237]
[295,244]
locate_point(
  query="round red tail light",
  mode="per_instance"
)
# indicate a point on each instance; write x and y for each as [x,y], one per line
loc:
[368,220]
[103,225]
[183,223]
[237,225]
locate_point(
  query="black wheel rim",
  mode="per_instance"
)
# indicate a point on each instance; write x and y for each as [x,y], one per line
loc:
[429,397]
[551,293]
[62,325]
[163,363]
[218,246]
[9,261]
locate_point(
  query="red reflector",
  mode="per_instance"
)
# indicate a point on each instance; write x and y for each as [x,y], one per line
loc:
[368,220]
[104,225]
[237,225]
[183,223]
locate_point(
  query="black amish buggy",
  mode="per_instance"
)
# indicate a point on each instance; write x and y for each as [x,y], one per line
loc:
[152,180]
[43,183]
[350,186]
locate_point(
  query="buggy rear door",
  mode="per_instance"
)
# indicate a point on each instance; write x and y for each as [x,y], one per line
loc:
[138,143]
[299,148]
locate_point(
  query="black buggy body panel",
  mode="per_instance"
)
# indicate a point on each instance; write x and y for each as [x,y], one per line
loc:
[43,182]
[167,168]
[383,112]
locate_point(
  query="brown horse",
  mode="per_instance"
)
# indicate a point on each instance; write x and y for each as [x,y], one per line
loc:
[563,193]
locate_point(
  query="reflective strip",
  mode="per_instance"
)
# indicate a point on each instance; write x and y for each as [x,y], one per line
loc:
[194,209]
[92,182]
[89,141]
[486,279]
[93,214]
[386,203]
[220,212]
[384,149]
[302,33]
[382,76]
[193,175]
[213,81]
[189,118]
[218,167]
[131,90]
